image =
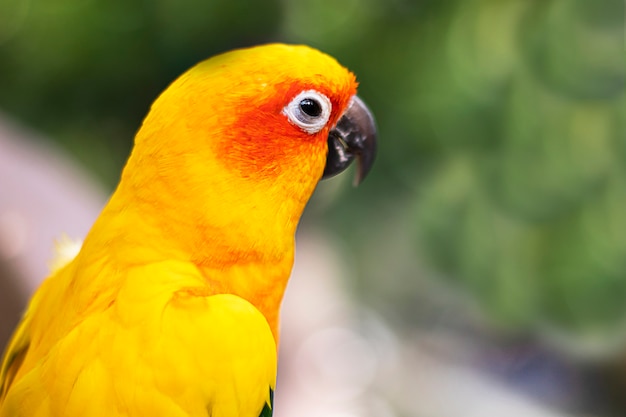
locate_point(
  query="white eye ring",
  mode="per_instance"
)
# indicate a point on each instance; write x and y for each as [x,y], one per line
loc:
[309,110]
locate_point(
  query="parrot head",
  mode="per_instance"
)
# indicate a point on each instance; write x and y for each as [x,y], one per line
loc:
[242,139]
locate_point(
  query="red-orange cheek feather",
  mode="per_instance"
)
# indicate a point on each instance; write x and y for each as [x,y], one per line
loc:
[263,141]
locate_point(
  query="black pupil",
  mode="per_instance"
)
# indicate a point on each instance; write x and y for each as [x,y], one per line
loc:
[310,107]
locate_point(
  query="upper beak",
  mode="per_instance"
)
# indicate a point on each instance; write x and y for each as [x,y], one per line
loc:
[353,136]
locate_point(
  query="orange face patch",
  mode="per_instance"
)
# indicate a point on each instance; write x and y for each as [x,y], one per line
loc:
[263,140]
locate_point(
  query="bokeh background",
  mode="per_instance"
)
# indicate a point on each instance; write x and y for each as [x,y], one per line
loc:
[479,271]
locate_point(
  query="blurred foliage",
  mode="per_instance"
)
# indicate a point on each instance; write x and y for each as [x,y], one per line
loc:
[502,132]
[529,212]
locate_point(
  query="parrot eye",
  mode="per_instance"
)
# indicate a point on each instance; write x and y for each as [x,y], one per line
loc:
[311,107]
[309,110]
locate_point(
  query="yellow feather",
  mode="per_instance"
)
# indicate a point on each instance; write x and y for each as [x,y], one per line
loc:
[159,351]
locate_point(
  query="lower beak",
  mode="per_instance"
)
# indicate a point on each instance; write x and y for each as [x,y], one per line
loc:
[354,136]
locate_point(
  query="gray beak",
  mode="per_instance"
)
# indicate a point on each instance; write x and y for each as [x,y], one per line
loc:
[354,136]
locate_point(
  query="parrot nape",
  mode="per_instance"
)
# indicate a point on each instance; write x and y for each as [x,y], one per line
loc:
[170,308]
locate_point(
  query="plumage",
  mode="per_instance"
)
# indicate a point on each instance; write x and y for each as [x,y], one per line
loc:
[171,306]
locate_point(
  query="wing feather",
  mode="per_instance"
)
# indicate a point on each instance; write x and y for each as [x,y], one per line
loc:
[167,346]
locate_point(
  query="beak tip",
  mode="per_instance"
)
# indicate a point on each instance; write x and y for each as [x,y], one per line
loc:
[364,166]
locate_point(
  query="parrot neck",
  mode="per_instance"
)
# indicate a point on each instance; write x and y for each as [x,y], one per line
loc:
[149,222]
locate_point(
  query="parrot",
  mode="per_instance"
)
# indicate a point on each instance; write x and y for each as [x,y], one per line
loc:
[171,305]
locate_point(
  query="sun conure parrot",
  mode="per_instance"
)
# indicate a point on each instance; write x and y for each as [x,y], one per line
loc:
[171,306]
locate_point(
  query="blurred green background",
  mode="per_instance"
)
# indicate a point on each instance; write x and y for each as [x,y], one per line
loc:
[501,176]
